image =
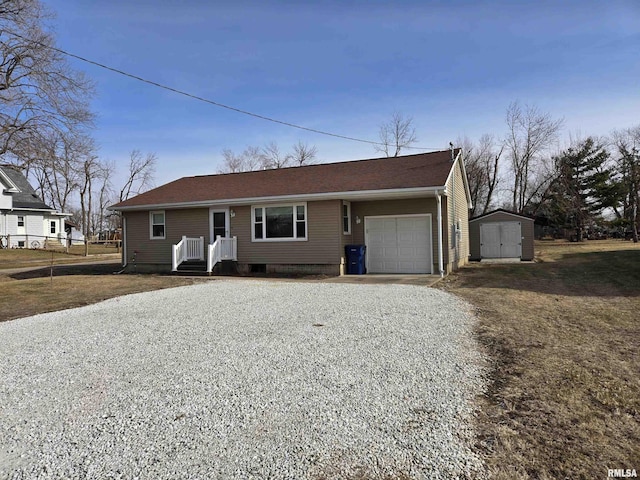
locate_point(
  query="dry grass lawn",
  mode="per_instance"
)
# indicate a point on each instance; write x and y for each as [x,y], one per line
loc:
[25,257]
[563,336]
[29,293]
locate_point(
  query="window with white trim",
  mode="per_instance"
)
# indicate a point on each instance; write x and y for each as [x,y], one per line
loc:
[53,225]
[156,225]
[279,222]
[346,218]
[20,220]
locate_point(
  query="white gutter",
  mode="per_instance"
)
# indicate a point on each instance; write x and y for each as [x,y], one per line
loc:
[356,195]
[440,253]
[45,210]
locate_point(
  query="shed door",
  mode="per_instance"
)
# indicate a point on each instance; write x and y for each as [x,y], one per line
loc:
[398,244]
[501,240]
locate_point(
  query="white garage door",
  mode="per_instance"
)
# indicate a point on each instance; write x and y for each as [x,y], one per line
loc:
[501,240]
[398,244]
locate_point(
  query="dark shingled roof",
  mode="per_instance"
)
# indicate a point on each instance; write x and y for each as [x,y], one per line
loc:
[410,171]
[27,196]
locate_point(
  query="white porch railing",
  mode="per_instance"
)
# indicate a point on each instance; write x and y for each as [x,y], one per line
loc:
[222,249]
[187,249]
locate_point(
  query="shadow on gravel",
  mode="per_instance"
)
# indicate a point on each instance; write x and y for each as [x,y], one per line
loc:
[66,270]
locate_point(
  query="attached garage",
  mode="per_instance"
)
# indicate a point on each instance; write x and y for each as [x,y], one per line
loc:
[398,244]
[501,234]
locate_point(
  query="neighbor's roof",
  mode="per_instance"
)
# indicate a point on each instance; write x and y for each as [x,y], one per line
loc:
[26,197]
[411,171]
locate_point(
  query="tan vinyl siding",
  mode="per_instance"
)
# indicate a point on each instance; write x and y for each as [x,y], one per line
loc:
[527,233]
[396,207]
[457,208]
[323,244]
[190,222]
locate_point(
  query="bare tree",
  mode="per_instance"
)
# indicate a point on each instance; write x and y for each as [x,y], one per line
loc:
[250,159]
[627,178]
[272,157]
[231,162]
[395,135]
[41,96]
[267,157]
[482,166]
[105,197]
[140,174]
[303,154]
[56,168]
[89,169]
[530,135]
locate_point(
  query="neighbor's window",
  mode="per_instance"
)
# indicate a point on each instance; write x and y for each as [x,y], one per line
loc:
[20,221]
[346,218]
[281,222]
[53,226]
[157,224]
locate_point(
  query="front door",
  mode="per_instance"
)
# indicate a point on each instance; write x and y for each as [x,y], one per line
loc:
[220,224]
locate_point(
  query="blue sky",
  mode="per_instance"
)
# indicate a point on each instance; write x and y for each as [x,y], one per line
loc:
[345,67]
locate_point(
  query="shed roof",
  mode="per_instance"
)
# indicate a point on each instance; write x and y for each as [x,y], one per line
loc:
[500,210]
[406,172]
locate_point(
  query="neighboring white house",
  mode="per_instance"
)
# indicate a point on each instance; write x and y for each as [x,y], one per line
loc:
[25,220]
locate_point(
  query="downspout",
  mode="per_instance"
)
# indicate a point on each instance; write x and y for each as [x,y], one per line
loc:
[454,232]
[124,241]
[440,254]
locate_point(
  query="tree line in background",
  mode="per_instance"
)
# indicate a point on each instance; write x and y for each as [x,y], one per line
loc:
[266,157]
[46,122]
[592,186]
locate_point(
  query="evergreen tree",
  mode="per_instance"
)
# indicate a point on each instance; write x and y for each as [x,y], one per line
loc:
[582,188]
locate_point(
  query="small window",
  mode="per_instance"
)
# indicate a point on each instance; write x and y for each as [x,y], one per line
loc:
[20,221]
[258,224]
[157,225]
[282,222]
[20,243]
[53,226]
[346,218]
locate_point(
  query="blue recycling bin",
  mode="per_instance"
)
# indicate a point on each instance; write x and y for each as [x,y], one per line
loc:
[355,259]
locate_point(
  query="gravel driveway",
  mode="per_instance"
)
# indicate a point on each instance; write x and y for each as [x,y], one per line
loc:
[243,379]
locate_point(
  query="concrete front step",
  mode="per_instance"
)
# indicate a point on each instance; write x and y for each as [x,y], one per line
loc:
[53,244]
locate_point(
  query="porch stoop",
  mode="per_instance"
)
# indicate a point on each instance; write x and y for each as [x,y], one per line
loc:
[196,267]
[192,267]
